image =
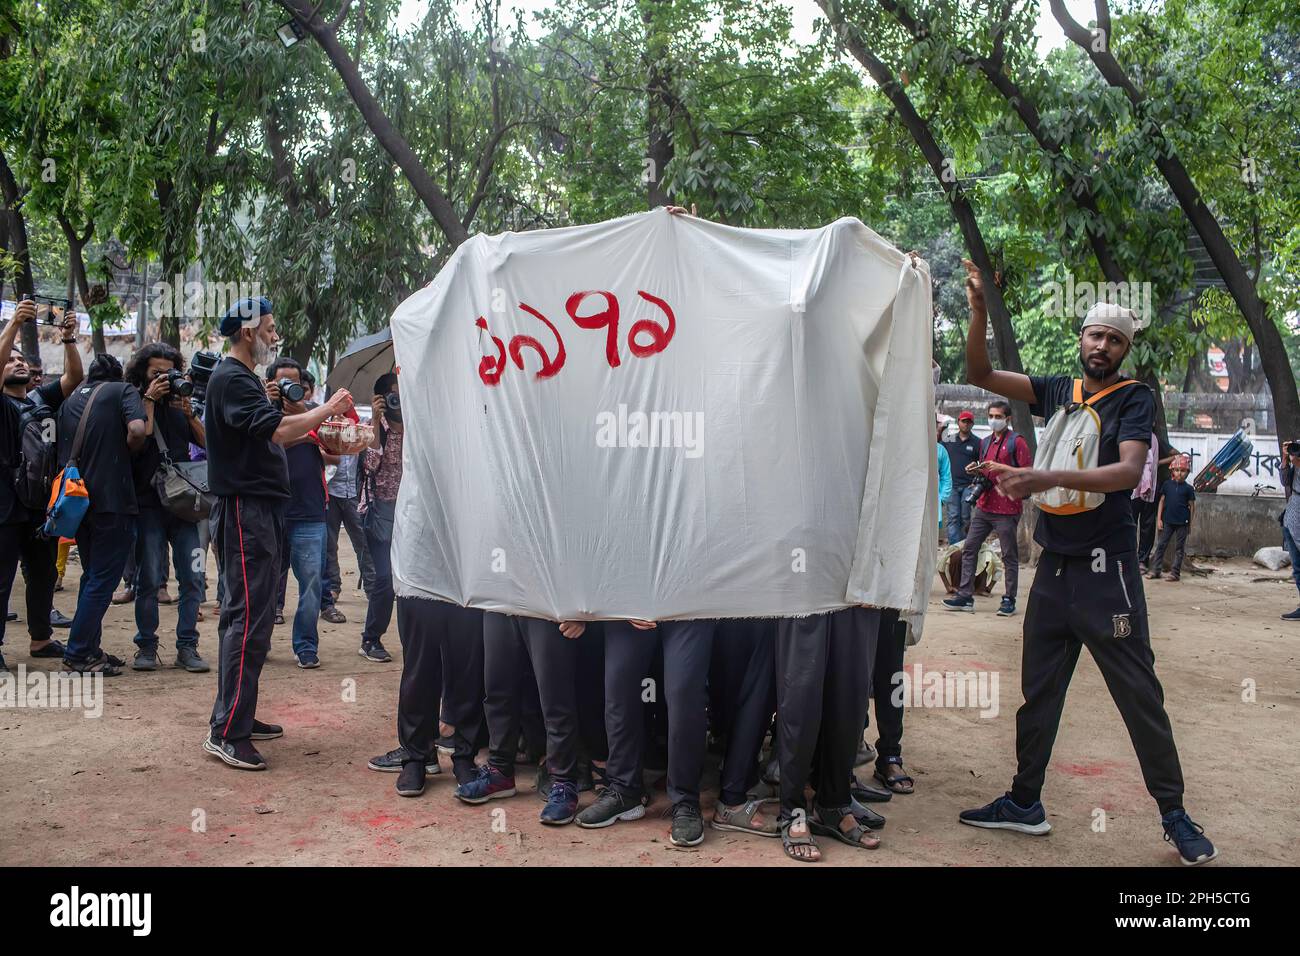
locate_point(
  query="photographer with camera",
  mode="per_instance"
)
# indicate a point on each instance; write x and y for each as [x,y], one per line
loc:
[994,513]
[249,475]
[155,370]
[304,519]
[27,428]
[381,478]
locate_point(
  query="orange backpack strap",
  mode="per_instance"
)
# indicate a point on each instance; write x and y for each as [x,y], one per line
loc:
[1078,388]
[1078,391]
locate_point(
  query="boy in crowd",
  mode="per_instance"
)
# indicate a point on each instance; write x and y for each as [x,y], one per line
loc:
[1173,519]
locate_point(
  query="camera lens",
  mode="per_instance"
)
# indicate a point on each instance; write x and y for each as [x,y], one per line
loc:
[291,391]
[179,385]
[393,402]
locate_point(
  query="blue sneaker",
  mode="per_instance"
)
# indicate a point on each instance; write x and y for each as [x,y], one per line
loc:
[959,603]
[562,806]
[489,784]
[307,660]
[1003,814]
[1188,837]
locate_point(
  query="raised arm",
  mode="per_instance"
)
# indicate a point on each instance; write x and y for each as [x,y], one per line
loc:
[979,368]
[294,427]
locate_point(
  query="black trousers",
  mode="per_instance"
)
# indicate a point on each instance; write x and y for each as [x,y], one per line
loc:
[432,633]
[1177,533]
[823,686]
[591,692]
[743,688]
[462,679]
[21,542]
[888,666]
[1144,513]
[629,654]
[248,534]
[1077,601]
[509,643]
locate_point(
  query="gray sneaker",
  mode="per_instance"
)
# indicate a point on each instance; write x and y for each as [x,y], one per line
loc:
[146,659]
[688,825]
[188,658]
[610,807]
[392,761]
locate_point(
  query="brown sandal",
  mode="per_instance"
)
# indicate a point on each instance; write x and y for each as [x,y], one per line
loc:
[803,838]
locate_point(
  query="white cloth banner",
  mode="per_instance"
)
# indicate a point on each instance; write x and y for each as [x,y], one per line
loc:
[661,417]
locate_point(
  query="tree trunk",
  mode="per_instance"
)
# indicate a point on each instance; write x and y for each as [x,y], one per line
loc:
[24,283]
[1004,336]
[77,275]
[1276,365]
[434,199]
[659,114]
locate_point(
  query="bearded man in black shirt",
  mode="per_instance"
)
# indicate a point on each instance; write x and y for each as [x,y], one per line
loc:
[246,432]
[1087,589]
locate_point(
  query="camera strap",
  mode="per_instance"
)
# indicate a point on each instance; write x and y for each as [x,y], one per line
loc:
[157,435]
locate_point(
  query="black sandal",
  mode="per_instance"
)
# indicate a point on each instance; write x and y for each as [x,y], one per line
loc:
[899,784]
[852,837]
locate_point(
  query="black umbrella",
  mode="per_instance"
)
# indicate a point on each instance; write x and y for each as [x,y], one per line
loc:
[365,360]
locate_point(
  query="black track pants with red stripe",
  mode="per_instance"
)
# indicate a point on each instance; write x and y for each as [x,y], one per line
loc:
[247,540]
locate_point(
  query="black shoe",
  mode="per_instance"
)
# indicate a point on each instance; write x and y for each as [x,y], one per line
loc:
[11,616]
[609,808]
[263,731]
[1293,616]
[868,792]
[1007,607]
[52,649]
[446,745]
[279,617]
[688,825]
[58,620]
[307,660]
[237,753]
[394,760]
[146,659]
[375,652]
[959,603]
[188,658]
[410,782]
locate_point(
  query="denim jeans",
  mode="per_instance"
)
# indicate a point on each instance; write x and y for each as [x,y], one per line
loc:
[379,537]
[306,541]
[104,541]
[342,512]
[1293,549]
[155,530]
[956,515]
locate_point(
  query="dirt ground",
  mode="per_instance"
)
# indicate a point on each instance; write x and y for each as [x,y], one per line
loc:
[133,787]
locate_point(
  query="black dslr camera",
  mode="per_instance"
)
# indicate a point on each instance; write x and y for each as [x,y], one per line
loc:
[979,484]
[291,391]
[201,367]
[178,385]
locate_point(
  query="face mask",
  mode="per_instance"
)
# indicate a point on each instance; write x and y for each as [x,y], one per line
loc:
[997,424]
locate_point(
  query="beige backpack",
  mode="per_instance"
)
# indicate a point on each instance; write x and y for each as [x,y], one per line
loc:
[1071,442]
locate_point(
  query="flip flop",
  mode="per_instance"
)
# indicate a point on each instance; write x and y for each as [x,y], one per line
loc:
[900,784]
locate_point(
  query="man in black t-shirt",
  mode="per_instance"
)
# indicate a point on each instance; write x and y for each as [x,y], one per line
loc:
[20,537]
[246,431]
[170,423]
[114,429]
[1087,590]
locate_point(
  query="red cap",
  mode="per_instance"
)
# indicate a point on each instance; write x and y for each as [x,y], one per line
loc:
[966,417]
